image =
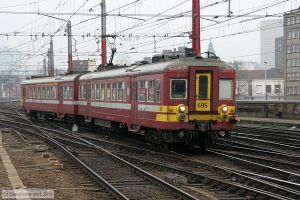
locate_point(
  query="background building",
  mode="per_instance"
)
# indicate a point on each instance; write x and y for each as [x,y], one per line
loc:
[269,30]
[279,53]
[251,84]
[292,54]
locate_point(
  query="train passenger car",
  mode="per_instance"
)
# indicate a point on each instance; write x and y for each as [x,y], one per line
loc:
[187,100]
[53,97]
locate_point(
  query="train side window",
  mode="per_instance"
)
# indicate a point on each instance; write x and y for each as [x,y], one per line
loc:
[43,93]
[150,91]
[80,92]
[64,92]
[48,92]
[52,92]
[88,91]
[178,89]
[120,91]
[71,92]
[157,90]
[93,91]
[34,92]
[114,92]
[142,91]
[68,92]
[97,91]
[83,91]
[134,91]
[102,94]
[108,91]
[30,93]
[39,93]
[125,91]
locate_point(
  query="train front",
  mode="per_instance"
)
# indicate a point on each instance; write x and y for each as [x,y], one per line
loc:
[209,110]
[212,105]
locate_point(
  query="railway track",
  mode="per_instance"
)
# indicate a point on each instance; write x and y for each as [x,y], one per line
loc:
[121,178]
[200,174]
[283,138]
[225,183]
[165,163]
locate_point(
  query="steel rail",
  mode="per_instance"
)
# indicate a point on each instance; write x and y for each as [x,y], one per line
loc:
[116,193]
[178,192]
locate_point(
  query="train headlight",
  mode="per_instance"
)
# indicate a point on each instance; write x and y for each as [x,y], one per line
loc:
[182,109]
[224,109]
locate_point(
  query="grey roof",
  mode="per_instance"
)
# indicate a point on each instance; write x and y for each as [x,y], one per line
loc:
[185,63]
[57,79]
[259,74]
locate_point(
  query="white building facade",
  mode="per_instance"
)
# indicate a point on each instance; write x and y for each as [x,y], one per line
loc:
[252,84]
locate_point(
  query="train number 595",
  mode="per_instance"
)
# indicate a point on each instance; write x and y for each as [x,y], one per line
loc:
[202,105]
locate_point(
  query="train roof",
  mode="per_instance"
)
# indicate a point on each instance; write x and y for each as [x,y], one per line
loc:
[57,79]
[183,63]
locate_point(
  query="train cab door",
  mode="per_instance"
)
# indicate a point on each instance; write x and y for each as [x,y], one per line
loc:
[134,102]
[203,91]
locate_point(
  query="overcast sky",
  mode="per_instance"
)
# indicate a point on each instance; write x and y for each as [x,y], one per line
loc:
[235,38]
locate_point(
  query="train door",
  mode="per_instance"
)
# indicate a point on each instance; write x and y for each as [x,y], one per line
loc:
[60,98]
[203,91]
[134,102]
[88,98]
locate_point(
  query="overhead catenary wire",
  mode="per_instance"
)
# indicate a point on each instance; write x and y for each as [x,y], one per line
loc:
[85,42]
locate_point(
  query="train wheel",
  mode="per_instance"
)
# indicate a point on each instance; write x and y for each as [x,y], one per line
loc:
[154,137]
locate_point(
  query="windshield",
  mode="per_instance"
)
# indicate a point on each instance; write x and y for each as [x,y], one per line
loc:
[178,89]
[225,89]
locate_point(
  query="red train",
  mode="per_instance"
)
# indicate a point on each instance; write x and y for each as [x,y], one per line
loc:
[186,100]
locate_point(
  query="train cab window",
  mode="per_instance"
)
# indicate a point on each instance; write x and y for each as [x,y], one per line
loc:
[178,89]
[108,91]
[102,93]
[203,89]
[225,89]
[150,91]
[114,92]
[157,90]
[97,91]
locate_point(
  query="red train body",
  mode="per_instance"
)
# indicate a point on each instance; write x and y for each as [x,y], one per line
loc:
[186,100]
